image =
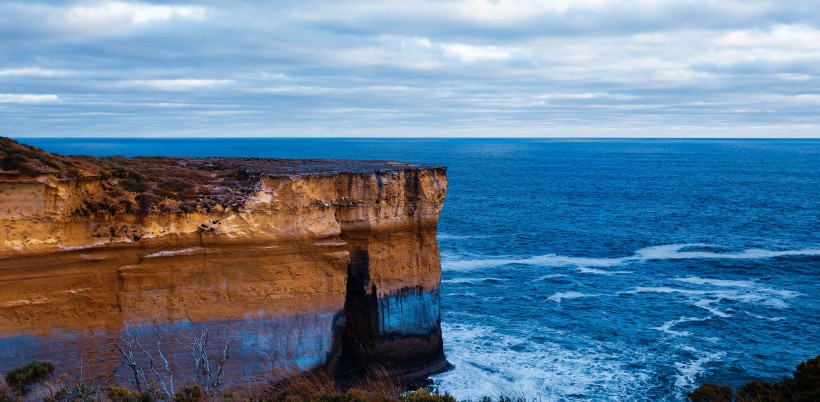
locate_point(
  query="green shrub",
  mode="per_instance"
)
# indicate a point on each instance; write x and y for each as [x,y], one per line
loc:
[757,391]
[6,394]
[78,392]
[133,185]
[121,394]
[328,394]
[806,382]
[425,395]
[804,386]
[21,379]
[711,393]
[190,393]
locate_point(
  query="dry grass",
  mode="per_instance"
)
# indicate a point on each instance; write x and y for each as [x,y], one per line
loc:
[143,184]
[804,386]
[377,386]
[6,393]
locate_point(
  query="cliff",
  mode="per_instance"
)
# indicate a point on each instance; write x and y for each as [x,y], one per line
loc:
[296,264]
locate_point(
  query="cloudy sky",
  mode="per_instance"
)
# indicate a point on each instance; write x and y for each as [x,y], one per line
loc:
[561,68]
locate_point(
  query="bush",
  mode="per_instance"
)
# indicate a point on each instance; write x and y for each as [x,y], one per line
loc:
[378,386]
[145,180]
[78,392]
[190,393]
[426,395]
[21,379]
[757,391]
[134,185]
[803,387]
[121,394]
[711,393]
[806,382]
[6,394]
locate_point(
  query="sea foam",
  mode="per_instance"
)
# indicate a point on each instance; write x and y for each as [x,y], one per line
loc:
[663,252]
[557,297]
[491,363]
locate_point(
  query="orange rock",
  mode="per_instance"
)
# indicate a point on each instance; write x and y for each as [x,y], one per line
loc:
[276,261]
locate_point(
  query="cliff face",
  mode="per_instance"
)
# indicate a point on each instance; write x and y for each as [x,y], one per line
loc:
[295,265]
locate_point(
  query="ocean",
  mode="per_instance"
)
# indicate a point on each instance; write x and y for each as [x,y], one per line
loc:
[605,270]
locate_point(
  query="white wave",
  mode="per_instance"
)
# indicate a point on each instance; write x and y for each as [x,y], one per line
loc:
[667,326]
[706,298]
[740,291]
[545,277]
[585,270]
[688,371]
[787,294]
[775,319]
[462,294]
[716,282]
[663,289]
[557,297]
[664,252]
[707,304]
[673,252]
[548,260]
[490,363]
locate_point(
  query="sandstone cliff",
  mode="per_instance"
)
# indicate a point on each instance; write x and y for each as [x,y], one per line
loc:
[297,264]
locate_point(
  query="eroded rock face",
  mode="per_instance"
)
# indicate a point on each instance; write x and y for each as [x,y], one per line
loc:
[318,264]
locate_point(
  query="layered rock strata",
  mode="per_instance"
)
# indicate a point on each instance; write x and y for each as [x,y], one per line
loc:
[305,264]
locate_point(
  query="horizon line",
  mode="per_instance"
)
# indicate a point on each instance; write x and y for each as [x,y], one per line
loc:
[401,138]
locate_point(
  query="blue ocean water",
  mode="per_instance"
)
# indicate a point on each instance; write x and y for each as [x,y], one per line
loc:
[601,269]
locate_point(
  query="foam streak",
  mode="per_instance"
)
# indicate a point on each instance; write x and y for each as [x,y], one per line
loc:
[664,252]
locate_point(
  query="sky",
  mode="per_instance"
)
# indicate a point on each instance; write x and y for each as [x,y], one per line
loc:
[447,68]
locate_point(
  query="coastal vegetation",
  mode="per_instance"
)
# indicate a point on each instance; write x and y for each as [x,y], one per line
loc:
[142,184]
[36,381]
[804,386]
[21,379]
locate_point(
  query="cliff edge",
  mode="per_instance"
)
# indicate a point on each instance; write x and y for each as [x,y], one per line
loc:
[295,264]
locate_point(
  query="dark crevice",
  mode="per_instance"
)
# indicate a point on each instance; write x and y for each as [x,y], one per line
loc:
[361,311]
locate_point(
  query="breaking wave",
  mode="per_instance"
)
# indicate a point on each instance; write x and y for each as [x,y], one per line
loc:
[489,363]
[557,297]
[682,309]
[664,252]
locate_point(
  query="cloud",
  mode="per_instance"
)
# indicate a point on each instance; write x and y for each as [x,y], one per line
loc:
[115,12]
[186,84]
[462,52]
[33,72]
[515,19]
[27,98]
[798,38]
[471,53]
[456,67]
[91,19]
[586,95]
